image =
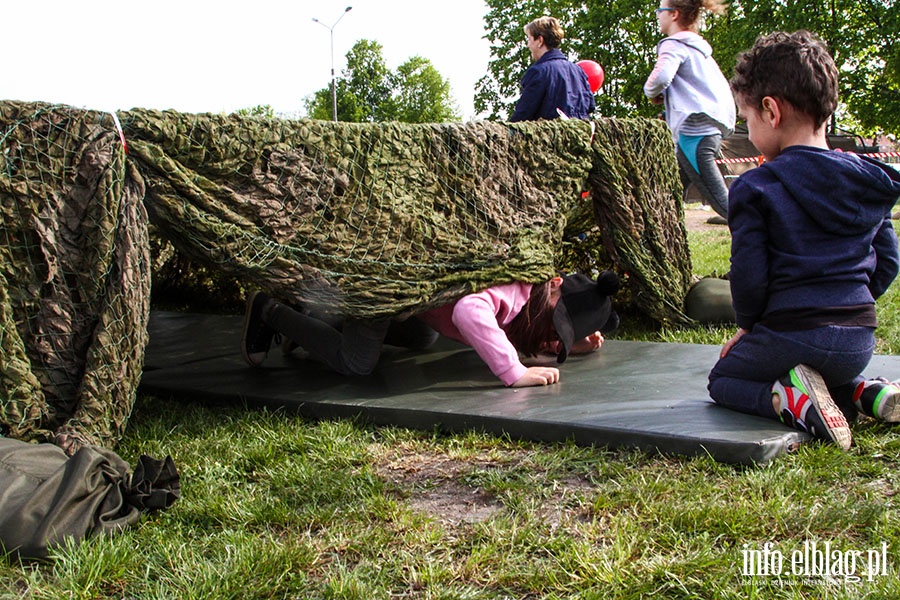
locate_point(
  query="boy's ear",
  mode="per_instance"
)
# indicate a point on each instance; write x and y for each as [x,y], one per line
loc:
[772,111]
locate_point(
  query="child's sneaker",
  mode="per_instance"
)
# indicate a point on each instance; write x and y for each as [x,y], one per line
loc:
[878,398]
[257,337]
[806,405]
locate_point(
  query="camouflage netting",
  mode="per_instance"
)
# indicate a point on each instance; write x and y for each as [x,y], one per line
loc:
[74,274]
[364,220]
[368,220]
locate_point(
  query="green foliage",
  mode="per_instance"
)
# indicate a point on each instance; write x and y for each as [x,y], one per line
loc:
[422,96]
[260,110]
[864,37]
[368,91]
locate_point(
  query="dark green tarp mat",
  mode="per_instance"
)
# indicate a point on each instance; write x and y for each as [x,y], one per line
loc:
[643,395]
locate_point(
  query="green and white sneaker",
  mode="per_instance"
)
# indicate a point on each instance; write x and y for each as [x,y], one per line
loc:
[878,398]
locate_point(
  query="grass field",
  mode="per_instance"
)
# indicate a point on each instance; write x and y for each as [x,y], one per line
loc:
[277,507]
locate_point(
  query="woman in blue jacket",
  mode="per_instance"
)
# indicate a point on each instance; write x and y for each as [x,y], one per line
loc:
[552,84]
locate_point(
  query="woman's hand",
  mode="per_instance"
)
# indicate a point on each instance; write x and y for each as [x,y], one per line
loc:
[730,343]
[538,376]
[589,344]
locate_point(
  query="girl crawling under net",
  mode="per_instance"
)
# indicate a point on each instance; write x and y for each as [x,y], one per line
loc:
[566,315]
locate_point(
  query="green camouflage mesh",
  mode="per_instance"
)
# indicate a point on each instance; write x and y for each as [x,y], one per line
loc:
[74,274]
[364,220]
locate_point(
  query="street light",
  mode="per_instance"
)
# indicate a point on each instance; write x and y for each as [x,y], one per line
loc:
[331,33]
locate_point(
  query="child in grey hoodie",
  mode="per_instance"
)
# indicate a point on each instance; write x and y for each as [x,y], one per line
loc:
[699,107]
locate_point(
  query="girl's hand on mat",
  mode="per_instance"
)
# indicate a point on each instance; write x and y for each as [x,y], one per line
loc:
[730,343]
[588,344]
[538,376]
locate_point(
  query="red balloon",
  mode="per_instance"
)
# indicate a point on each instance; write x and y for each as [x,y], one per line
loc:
[594,73]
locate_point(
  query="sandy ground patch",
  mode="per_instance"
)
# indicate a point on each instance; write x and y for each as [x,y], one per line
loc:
[696,215]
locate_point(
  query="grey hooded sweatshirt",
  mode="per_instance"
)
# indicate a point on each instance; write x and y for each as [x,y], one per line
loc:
[697,96]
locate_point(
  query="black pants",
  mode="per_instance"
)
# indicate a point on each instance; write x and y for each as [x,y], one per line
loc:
[350,347]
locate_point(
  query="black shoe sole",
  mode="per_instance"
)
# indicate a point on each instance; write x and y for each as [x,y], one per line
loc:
[248,312]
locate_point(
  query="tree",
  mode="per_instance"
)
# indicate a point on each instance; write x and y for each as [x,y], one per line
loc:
[863,36]
[260,110]
[363,90]
[368,91]
[422,95]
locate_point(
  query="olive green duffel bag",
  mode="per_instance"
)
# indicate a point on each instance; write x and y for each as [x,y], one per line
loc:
[46,497]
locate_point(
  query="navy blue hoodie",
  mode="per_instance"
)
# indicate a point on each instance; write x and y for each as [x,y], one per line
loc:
[554,82]
[811,229]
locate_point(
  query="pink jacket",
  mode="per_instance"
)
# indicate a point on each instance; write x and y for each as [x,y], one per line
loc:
[478,320]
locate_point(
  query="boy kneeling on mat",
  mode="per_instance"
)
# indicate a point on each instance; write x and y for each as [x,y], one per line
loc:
[812,249]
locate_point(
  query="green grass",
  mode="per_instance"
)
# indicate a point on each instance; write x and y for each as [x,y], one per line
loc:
[274,506]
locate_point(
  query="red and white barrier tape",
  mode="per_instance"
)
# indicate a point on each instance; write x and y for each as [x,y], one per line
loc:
[881,154]
[746,159]
[760,159]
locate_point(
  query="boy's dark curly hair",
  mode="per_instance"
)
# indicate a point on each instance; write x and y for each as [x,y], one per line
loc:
[794,67]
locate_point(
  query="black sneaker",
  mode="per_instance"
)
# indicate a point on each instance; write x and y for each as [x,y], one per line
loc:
[257,337]
[288,346]
[806,405]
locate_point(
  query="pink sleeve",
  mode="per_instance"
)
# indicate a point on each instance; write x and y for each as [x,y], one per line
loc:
[479,318]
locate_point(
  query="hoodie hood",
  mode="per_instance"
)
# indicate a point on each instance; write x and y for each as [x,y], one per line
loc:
[840,191]
[691,40]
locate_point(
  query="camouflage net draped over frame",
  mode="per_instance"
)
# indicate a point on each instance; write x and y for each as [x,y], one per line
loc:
[368,220]
[638,207]
[74,275]
[364,220]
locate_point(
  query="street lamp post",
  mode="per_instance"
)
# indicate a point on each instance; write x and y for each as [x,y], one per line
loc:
[331,33]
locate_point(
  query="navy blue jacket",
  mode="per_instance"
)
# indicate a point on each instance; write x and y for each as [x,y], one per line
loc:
[553,82]
[811,229]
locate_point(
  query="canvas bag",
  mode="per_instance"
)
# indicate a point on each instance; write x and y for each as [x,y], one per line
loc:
[46,496]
